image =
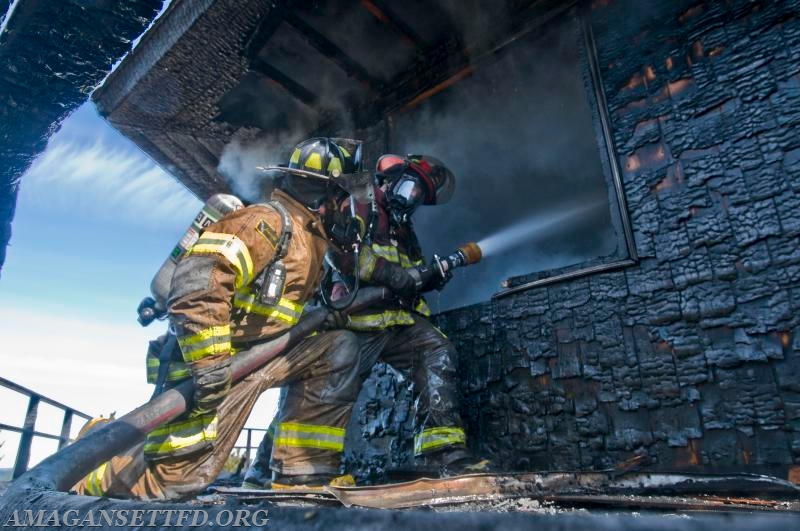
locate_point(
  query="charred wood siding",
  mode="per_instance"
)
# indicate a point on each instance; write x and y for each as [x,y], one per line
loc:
[692,357]
[52,55]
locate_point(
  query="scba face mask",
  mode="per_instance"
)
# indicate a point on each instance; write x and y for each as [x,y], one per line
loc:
[404,195]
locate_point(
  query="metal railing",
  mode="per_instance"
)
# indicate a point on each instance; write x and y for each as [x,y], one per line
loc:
[27,430]
[248,446]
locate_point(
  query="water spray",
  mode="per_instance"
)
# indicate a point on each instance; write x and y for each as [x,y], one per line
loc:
[540,224]
[537,226]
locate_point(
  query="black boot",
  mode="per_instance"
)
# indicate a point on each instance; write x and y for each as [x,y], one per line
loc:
[441,464]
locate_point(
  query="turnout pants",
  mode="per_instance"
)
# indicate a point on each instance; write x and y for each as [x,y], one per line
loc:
[317,365]
[431,359]
[300,442]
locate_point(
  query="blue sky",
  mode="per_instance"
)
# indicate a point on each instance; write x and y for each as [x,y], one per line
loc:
[95,219]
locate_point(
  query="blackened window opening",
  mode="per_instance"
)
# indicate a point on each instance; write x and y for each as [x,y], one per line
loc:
[524,135]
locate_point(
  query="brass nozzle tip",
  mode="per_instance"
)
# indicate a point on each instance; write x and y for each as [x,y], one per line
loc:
[471,252]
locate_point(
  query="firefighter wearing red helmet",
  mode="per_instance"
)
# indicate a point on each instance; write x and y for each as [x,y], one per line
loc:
[398,331]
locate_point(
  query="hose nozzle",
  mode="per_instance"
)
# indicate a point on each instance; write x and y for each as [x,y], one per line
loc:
[467,254]
[471,252]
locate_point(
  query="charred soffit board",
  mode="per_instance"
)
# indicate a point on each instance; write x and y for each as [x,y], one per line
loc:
[212,71]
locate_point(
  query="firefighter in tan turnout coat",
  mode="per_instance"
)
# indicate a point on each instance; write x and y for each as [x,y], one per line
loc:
[218,304]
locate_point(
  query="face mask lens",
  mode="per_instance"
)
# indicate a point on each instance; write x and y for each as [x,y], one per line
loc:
[406,195]
[409,190]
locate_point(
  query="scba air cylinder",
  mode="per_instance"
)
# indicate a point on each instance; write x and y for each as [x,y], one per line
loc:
[213,210]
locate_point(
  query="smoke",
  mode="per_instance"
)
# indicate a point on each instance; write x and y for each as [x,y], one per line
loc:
[240,158]
[519,136]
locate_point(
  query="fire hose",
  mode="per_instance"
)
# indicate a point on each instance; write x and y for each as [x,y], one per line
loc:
[34,494]
[62,470]
[65,468]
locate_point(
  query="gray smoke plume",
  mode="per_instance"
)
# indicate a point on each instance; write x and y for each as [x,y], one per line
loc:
[519,136]
[241,157]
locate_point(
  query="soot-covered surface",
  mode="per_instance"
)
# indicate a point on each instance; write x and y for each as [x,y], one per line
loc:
[691,358]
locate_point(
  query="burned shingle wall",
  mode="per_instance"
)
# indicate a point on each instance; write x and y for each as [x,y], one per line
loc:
[692,357]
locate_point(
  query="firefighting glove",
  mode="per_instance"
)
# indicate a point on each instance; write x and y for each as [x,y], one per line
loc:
[335,320]
[426,276]
[211,385]
[397,279]
[438,282]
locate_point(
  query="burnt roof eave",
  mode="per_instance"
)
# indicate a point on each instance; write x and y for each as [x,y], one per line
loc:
[152,47]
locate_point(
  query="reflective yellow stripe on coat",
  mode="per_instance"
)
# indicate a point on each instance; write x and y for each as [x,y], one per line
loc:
[367,261]
[232,248]
[286,310]
[385,319]
[422,308]
[380,320]
[392,254]
[368,258]
[296,435]
[207,342]
[432,438]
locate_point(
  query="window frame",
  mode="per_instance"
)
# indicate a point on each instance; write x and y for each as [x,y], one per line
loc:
[608,154]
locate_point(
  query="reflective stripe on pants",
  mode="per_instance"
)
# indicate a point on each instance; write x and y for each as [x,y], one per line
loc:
[181,437]
[94,481]
[294,434]
[435,438]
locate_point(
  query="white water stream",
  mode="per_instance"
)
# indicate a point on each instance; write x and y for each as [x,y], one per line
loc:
[536,226]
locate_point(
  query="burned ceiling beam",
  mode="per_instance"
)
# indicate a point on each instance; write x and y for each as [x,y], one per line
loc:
[323,45]
[449,61]
[429,93]
[285,82]
[265,30]
[437,65]
[384,14]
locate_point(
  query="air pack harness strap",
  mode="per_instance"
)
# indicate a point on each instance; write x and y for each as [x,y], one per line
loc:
[269,284]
